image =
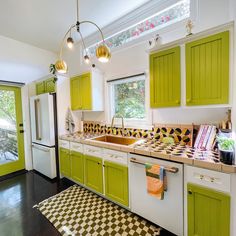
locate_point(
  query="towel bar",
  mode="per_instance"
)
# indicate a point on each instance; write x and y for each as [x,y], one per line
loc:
[169,169]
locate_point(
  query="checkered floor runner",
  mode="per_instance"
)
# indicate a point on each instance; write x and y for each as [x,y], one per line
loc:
[77,211]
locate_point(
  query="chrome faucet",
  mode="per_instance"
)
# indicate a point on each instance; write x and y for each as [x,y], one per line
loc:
[122,122]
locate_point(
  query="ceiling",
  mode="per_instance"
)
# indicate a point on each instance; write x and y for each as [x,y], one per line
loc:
[42,23]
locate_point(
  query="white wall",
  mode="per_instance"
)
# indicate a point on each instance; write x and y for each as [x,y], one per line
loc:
[134,59]
[22,62]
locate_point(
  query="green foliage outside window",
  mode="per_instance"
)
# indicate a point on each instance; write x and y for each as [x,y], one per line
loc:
[129,99]
[7,106]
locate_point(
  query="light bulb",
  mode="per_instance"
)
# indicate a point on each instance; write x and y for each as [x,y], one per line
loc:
[86,59]
[70,42]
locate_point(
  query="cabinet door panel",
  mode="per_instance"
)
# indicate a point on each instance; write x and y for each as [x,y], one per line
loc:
[50,85]
[208,212]
[76,96]
[77,167]
[86,91]
[165,78]
[93,173]
[207,70]
[65,162]
[116,182]
[40,88]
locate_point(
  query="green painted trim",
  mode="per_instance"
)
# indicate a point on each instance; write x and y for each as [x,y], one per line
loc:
[207,83]
[20,163]
[208,212]
[116,182]
[165,78]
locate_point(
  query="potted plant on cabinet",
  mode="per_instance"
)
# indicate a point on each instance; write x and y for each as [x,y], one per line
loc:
[226,148]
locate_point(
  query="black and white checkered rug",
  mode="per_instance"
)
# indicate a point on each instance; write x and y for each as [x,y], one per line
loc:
[77,211]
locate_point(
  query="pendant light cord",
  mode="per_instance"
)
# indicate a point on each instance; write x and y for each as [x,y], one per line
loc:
[77,10]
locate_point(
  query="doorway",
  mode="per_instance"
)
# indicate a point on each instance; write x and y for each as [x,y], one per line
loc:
[11,130]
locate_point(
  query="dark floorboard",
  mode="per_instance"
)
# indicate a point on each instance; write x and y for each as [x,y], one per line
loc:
[17,197]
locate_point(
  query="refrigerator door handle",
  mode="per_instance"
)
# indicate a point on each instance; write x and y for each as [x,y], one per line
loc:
[40,148]
[37,119]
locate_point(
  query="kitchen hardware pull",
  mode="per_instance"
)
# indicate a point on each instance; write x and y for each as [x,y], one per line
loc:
[169,169]
[22,131]
[41,149]
[190,191]
[37,119]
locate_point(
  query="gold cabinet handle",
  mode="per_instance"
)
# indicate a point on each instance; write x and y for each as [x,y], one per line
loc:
[190,191]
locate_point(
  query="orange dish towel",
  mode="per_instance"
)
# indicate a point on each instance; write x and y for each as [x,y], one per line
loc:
[156,180]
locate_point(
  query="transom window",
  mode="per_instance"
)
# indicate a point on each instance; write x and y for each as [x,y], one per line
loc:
[168,16]
[128,98]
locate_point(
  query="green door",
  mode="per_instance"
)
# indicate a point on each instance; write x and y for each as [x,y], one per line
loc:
[116,182]
[85,90]
[50,85]
[40,87]
[208,212]
[65,163]
[93,173]
[207,70]
[76,95]
[11,130]
[77,166]
[165,78]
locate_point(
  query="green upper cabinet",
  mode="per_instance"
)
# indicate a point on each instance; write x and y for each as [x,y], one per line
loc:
[93,171]
[46,86]
[40,88]
[65,162]
[50,85]
[87,91]
[77,166]
[116,182]
[208,212]
[207,70]
[165,78]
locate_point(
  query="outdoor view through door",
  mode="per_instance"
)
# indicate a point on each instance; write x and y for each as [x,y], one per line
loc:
[11,130]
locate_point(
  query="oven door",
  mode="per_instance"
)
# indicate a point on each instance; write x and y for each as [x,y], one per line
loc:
[167,213]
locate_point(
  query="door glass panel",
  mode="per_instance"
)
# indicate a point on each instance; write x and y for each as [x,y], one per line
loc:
[8,128]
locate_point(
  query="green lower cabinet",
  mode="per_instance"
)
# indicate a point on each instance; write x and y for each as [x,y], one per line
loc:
[93,173]
[116,182]
[208,212]
[65,162]
[77,166]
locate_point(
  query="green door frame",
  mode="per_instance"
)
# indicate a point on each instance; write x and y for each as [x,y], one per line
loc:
[20,163]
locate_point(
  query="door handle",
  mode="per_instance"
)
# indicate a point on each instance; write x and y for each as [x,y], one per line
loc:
[22,131]
[190,191]
[20,125]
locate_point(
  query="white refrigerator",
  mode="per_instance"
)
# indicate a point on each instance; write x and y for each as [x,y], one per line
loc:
[43,132]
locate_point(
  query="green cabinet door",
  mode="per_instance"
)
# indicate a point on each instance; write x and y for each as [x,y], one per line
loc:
[65,163]
[207,70]
[76,95]
[77,166]
[165,78]
[116,182]
[40,88]
[50,85]
[93,173]
[208,212]
[86,91]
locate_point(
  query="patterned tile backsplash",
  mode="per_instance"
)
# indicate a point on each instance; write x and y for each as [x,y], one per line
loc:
[182,134]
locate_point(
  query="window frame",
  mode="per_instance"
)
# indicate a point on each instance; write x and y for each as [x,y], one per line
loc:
[129,122]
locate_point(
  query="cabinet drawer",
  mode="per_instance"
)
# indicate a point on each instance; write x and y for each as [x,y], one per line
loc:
[64,144]
[77,147]
[208,178]
[115,156]
[92,151]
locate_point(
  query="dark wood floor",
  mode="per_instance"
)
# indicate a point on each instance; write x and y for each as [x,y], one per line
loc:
[17,197]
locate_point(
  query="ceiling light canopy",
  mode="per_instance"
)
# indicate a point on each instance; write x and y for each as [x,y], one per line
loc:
[102,51]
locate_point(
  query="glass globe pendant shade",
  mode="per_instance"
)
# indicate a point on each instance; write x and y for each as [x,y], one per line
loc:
[70,42]
[61,66]
[103,53]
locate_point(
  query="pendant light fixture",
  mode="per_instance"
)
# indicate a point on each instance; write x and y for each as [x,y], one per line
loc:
[102,52]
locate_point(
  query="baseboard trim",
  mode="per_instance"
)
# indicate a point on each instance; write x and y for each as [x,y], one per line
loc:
[14,174]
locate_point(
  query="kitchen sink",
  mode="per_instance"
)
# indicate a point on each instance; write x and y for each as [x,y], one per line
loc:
[116,140]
